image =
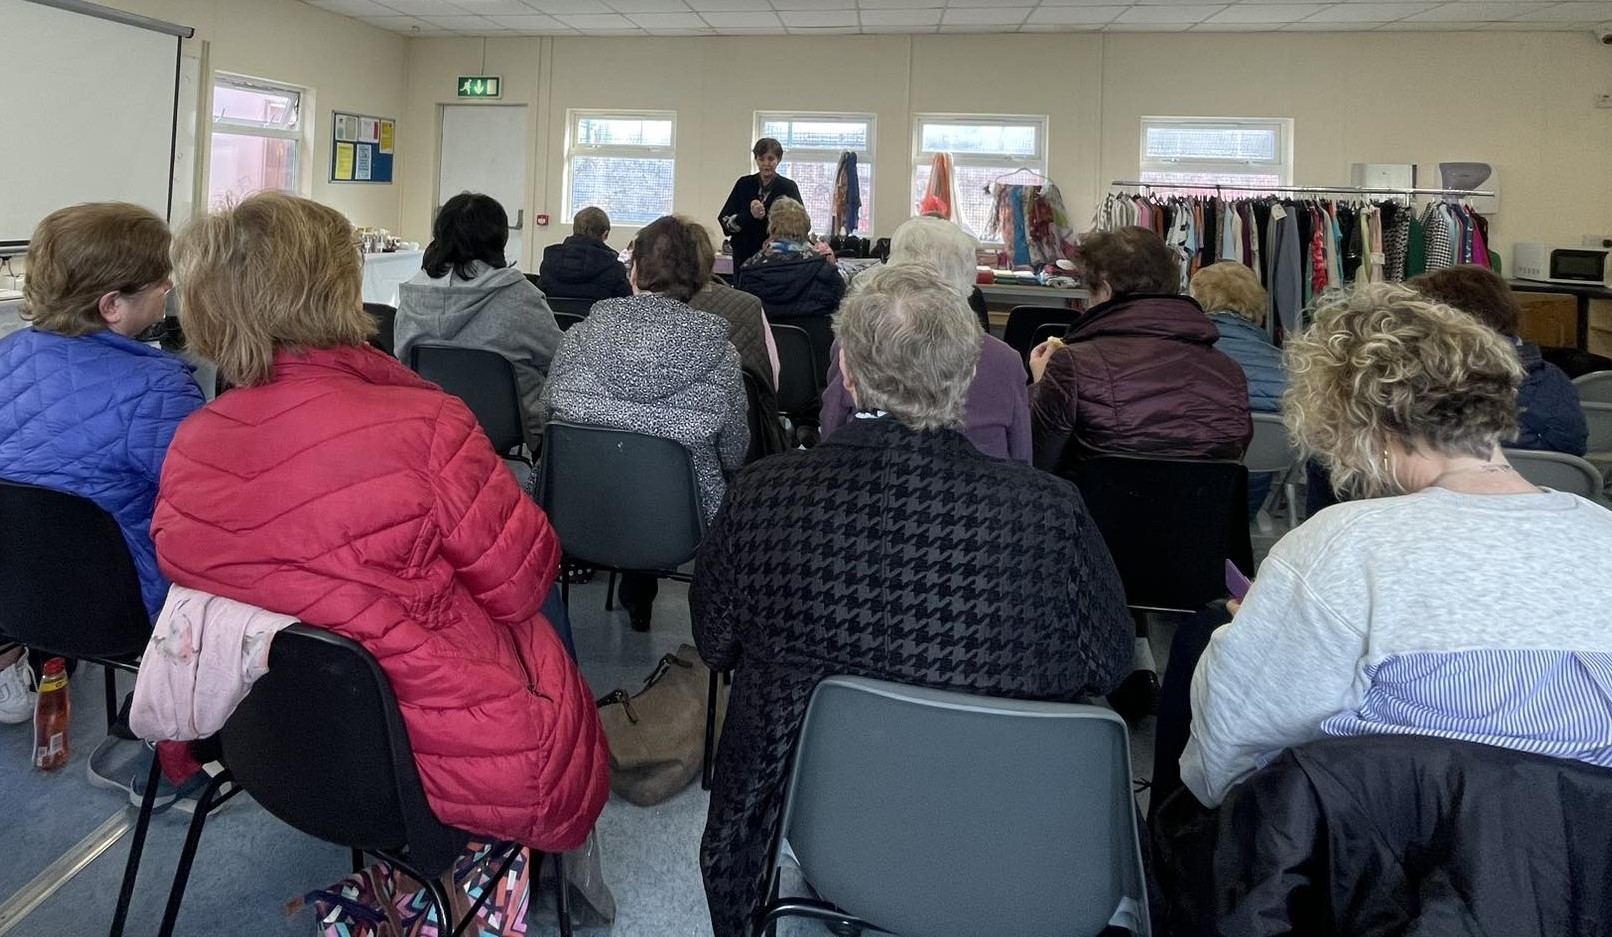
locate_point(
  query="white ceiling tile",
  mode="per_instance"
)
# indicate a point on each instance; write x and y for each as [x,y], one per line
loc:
[1573,13]
[898,30]
[814,4]
[1470,12]
[530,22]
[989,3]
[1367,12]
[648,6]
[898,4]
[400,24]
[1182,13]
[489,7]
[588,22]
[1147,27]
[749,20]
[1310,26]
[778,30]
[353,7]
[682,32]
[1526,26]
[557,7]
[901,17]
[1237,27]
[1072,16]
[824,30]
[460,23]
[1063,28]
[1264,13]
[426,7]
[980,28]
[984,16]
[1450,27]
[659,21]
[818,18]
[726,6]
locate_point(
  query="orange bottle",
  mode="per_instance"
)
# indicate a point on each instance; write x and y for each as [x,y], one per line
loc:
[52,712]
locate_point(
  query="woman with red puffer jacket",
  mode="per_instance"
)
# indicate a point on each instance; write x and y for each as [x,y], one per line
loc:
[336,486]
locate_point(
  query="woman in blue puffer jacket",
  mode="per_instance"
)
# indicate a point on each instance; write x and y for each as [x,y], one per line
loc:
[1236,303]
[84,407]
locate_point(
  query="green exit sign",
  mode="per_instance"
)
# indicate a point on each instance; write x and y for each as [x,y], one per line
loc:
[478,86]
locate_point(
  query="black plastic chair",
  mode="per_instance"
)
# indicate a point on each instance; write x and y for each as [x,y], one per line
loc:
[627,503]
[754,416]
[485,381]
[1170,525]
[1048,330]
[325,696]
[567,319]
[70,589]
[801,375]
[571,304]
[385,321]
[1024,321]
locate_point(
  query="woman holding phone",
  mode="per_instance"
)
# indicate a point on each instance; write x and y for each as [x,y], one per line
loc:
[744,215]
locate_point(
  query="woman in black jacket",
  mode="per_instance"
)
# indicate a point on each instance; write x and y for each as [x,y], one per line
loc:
[797,284]
[744,215]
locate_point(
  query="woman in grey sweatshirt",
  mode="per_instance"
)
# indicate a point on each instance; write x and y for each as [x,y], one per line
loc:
[467,295]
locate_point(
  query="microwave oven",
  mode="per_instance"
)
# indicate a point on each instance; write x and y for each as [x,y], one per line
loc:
[1552,264]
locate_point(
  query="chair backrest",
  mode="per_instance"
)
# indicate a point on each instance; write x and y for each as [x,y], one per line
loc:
[1023,321]
[1598,417]
[1594,387]
[385,321]
[619,499]
[483,379]
[320,743]
[798,369]
[68,585]
[1271,449]
[766,434]
[1047,330]
[1170,525]
[941,813]
[1557,470]
[571,304]
[567,319]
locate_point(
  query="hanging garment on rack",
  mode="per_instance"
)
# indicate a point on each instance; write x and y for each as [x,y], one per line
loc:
[1211,233]
[1415,248]
[1440,253]
[1379,257]
[1321,231]
[1061,239]
[1480,242]
[1396,218]
[1334,246]
[938,195]
[847,206]
[1231,236]
[1286,273]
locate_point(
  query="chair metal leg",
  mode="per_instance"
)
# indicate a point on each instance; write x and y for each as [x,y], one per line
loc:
[707,768]
[111,695]
[565,585]
[441,902]
[610,593]
[358,860]
[562,896]
[1292,505]
[187,856]
[131,867]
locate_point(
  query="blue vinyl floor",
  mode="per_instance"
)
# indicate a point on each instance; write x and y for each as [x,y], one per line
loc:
[250,865]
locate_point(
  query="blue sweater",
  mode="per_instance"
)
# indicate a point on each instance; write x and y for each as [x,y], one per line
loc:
[93,416]
[1261,361]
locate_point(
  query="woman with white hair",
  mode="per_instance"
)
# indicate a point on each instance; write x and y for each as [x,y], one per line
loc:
[997,414]
[866,556]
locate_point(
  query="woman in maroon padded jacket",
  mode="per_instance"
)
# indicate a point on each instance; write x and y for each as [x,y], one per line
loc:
[1139,372]
[335,485]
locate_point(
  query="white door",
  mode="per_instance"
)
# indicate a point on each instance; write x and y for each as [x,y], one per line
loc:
[484,150]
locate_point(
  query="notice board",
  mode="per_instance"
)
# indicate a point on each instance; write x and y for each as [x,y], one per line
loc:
[362,147]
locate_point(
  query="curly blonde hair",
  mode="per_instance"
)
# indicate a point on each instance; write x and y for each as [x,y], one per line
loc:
[787,218]
[1382,363]
[1230,287]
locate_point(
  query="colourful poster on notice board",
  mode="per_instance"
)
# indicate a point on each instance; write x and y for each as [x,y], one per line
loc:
[363,148]
[341,168]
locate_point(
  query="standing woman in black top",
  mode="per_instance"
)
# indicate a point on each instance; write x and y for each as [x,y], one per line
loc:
[744,216]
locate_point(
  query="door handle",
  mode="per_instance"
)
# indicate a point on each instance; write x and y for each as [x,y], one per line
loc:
[520,219]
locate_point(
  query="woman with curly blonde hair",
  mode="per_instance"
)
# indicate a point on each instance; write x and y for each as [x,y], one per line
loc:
[1455,600]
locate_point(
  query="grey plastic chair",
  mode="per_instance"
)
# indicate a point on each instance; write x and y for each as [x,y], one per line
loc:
[942,814]
[1271,452]
[485,381]
[1558,470]
[1594,387]
[1598,416]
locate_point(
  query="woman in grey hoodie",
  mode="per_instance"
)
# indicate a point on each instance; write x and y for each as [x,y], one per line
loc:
[467,295]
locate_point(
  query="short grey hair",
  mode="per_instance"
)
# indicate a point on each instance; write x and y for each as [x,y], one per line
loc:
[910,343]
[940,244]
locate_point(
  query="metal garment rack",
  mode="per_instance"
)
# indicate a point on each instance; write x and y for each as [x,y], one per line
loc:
[1311,189]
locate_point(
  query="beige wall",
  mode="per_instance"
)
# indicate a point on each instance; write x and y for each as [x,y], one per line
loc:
[349,65]
[1522,101]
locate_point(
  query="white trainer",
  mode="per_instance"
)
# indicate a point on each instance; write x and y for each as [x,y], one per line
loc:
[16,697]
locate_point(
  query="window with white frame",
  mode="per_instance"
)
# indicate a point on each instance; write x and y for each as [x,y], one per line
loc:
[258,139]
[813,144]
[621,161]
[1248,153]
[984,148]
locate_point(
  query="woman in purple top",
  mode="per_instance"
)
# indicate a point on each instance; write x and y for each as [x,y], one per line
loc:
[998,409]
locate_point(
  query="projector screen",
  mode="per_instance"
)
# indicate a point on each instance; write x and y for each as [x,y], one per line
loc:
[90,110]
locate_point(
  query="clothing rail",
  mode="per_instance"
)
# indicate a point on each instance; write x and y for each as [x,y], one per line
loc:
[1331,190]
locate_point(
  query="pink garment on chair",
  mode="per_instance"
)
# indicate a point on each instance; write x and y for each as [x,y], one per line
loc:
[203,656]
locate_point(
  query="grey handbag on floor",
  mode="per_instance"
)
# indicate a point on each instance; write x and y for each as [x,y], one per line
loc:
[657,735]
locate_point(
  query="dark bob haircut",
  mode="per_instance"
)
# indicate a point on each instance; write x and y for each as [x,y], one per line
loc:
[470,227]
